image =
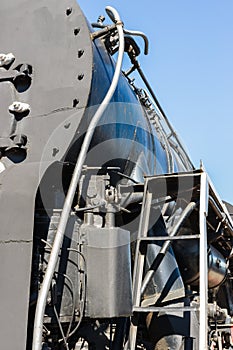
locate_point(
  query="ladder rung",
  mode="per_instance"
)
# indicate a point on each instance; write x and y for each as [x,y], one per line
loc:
[164,308]
[167,238]
[222,325]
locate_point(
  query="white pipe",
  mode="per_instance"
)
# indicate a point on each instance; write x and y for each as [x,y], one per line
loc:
[203,263]
[41,303]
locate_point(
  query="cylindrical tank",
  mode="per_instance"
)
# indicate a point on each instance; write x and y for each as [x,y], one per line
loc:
[124,136]
[187,255]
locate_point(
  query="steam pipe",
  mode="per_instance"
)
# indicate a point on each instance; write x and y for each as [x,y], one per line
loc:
[103,31]
[41,303]
[158,105]
[187,211]
[141,34]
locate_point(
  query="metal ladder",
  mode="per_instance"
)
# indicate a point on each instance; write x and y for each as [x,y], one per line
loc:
[196,181]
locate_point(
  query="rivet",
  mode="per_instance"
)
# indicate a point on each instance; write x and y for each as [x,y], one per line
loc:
[80,53]
[75,102]
[67,125]
[80,76]
[55,151]
[68,11]
[76,31]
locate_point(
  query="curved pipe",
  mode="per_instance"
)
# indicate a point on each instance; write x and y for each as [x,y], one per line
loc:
[126,31]
[98,25]
[143,36]
[41,303]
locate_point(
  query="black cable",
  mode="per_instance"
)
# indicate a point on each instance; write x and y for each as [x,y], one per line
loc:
[125,176]
[82,302]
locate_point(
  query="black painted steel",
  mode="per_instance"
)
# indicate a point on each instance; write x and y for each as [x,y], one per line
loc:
[54,74]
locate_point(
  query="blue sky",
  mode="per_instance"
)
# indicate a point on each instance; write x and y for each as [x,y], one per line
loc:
[190,67]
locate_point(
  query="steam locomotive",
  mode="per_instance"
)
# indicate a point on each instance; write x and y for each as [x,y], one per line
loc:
[117,241]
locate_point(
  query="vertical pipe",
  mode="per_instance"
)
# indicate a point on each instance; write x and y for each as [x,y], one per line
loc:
[203,263]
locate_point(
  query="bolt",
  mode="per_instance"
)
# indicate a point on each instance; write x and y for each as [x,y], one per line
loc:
[101,19]
[7,59]
[16,106]
[20,140]
[19,107]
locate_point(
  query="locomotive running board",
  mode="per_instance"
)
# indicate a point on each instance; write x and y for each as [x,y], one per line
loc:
[195,186]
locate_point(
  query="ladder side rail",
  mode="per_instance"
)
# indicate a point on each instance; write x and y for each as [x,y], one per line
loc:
[139,264]
[139,258]
[203,263]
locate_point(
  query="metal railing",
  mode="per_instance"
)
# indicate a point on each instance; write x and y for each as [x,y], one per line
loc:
[203,193]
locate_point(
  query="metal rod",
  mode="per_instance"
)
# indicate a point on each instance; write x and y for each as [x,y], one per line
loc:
[41,303]
[161,110]
[169,238]
[165,308]
[139,260]
[138,265]
[102,32]
[203,263]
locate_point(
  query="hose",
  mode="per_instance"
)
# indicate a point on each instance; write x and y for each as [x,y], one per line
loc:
[41,303]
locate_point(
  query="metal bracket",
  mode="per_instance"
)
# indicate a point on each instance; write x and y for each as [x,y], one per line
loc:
[6,59]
